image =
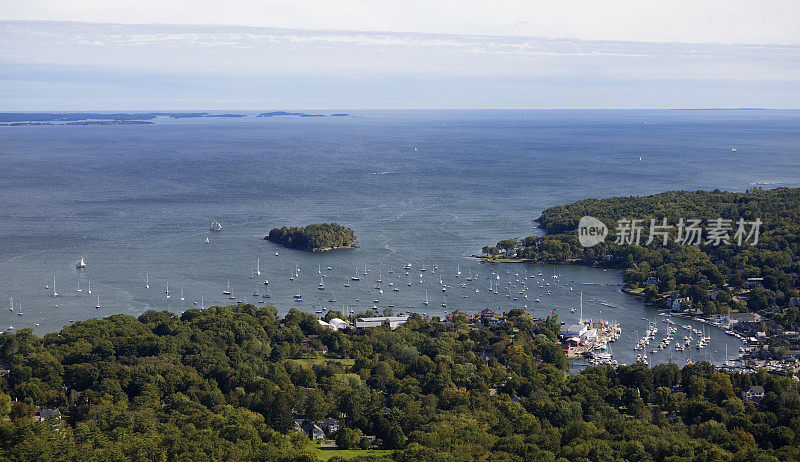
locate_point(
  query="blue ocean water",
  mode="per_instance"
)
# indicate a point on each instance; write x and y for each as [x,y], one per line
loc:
[420,187]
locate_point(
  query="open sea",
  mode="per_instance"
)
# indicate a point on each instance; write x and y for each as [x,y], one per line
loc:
[426,188]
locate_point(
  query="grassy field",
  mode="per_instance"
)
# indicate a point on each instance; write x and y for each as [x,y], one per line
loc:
[349,453]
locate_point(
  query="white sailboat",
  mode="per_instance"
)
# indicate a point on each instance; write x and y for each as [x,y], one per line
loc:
[55,294]
[458,270]
[426,298]
[79,287]
[258,267]
[166,292]
[89,290]
[228,290]
[81,264]
[146,281]
[182,298]
[97,307]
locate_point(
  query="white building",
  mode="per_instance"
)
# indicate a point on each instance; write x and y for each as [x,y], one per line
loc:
[392,321]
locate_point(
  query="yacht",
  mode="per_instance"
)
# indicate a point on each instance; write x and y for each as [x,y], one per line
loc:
[81,264]
[228,290]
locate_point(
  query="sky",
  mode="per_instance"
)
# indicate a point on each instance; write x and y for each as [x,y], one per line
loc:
[352,54]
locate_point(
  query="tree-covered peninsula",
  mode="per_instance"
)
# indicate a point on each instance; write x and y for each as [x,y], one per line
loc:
[706,275]
[242,383]
[316,238]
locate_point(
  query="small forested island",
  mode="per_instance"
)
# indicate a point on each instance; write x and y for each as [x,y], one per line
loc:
[315,238]
[242,383]
[704,279]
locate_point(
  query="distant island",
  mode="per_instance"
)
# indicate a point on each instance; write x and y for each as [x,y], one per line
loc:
[298,114]
[16,119]
[315,238]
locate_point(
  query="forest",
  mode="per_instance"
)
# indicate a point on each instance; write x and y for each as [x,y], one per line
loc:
[315,238]
[227,383]
[713,277]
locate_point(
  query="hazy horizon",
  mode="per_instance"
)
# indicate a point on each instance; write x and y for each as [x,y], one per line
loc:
[81,66]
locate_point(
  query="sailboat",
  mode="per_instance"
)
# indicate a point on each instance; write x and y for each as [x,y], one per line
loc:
[320,286]
[182,298]
[216,226]
[97,307]
[146,281]
[207,241]
[228,290]
[365,268]
[166,292]
[89,290]
[11,308]
[355,276]
[458,270]
[81,264]
[426,298]
[19,309]
[55,294]
[258,267]
[379,280]
[79,287]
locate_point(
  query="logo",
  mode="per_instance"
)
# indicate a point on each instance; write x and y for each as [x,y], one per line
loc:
[591,231]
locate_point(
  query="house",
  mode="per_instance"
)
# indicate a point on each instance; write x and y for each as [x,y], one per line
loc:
[46,414]
[455,313]
[675,302]
[298,425]
[330,425]
[313,431]
[753,282]
[487,314]
[754,394]
[651,281]
[744,317]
